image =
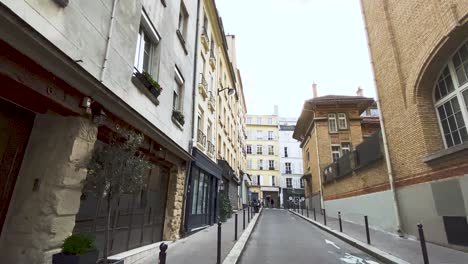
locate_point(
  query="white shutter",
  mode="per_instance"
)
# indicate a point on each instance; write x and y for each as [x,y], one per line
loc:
[264,150]
[265,164]
[261,179]
[254,149]
[282,168]
[292,168]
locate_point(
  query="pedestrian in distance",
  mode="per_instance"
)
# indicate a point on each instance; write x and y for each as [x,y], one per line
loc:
[272,203]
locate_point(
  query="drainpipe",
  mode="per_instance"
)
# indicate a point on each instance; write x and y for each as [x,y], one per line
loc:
[189,164]
[391,179]
[318,166]
[109,36]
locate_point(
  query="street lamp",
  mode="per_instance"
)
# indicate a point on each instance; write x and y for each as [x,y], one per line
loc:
[231,91]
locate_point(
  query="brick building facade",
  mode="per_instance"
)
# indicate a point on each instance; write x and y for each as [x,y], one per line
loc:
[419,53]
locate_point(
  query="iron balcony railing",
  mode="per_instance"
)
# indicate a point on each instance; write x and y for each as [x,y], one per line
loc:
[201,138]
[211,147]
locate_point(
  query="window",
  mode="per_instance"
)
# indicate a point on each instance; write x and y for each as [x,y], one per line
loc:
[270,121]
[271,135]
[183,20]
[177,95]
[259,120]
[259,134]
[289,183]
[249,149]
[345,148]
[342,121]
[273,182]
[260,164]
[271,150]
[259,180]
[302,183]
[249,120]
[288,168]
[332,123]
[271,164]
[259,149]
[335,153]
[285,152]
[147,43]
[451,98]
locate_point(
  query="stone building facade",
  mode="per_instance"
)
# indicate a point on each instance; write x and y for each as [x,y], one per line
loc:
[75,73]
[419,52]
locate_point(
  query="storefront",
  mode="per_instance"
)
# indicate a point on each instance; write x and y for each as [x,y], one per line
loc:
[231,183]
[202,192]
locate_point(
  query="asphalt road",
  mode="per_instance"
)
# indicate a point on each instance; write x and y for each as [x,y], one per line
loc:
[281,237]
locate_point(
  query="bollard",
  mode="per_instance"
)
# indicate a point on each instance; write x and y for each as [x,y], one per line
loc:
[339,219]
[235,227]
[315,218]
[367,229]
[422,239]
[307,210]
[218,259]
[162,253]
[302,210]
[248,214]
[324,217]
[243,216]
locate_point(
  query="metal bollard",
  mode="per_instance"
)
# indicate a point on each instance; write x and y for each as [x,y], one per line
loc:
[307,210]
[339,219]
[162,253]
[302,210]
[235,227]
[367,229]
[315,218]
[218,257]
[248,214]
[243,216]
[324,217]
[422,239]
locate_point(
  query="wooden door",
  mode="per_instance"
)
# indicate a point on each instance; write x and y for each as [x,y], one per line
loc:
[15,126]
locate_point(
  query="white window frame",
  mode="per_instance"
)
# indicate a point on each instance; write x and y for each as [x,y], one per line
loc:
[290,184]
[331,121]
[287,166]
[271,150]
[249,149]
[345,147]
[146,29]
[456,93]
[260,164]
[249,120]
[270,121]
[273,180]
[179,90]
[259,120]
[271,164]
[335,151]
[271,135]
[259,147]
[342,122]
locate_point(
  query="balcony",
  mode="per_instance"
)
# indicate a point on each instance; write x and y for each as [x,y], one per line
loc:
[212,60]
[204,38]
[211,148]
[201,139]
[203,87]
[211,102]
[271,168]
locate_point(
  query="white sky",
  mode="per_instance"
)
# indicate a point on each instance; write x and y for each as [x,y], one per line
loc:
[285,45]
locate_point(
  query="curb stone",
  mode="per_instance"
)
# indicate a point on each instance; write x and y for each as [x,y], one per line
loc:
[379,254]
[238,248]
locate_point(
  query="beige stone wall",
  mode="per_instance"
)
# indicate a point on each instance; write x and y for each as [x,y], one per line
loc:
[174,204]
[410,42]
[40,218]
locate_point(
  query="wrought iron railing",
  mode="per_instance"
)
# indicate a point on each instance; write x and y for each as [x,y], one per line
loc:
[211,147]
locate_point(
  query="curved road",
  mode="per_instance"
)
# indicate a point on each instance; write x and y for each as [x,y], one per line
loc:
[281,237]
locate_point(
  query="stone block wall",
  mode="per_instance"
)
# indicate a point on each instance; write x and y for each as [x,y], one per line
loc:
[48,189]
[175,203]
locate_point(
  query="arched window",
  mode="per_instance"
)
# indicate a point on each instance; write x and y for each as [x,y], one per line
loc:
[451,98]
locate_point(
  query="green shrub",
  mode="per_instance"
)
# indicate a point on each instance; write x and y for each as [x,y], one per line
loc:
[225,208]
[78,244]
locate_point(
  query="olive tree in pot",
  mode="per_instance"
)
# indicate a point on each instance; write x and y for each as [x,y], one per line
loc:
[77,249]
[114,169]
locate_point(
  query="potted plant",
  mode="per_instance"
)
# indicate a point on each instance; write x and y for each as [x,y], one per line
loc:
[178,116]
[77,249]
[116,168]
[152,85]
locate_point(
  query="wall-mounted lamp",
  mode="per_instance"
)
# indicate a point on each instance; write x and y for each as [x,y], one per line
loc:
[231,91]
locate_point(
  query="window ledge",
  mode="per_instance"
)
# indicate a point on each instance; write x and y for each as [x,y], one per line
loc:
[445,152]
[178,125]
[182,41]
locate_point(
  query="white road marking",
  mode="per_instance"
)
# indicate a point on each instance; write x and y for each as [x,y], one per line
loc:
[348,258]
[331,243]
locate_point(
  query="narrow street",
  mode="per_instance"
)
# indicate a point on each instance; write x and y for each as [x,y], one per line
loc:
[281,237]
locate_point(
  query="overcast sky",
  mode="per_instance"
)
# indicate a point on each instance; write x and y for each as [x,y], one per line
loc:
[285,45]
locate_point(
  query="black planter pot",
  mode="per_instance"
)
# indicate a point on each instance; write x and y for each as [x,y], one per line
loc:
[88,258]
[141,77]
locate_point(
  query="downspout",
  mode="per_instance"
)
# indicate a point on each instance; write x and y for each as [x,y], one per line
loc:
[109,36]
[391,179]
[318,166]
[189,164]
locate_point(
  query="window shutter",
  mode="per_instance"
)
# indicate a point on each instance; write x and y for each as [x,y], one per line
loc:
[292,168]
[265,164]
[264,150]
[261,179]
[283,168]
[254,149]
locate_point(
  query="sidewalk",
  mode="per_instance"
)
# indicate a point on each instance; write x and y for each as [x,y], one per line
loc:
[201,246]
[404,248]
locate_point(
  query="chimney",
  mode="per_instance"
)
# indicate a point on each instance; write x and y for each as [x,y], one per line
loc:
[275,110]
[359,91]
[314,89]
